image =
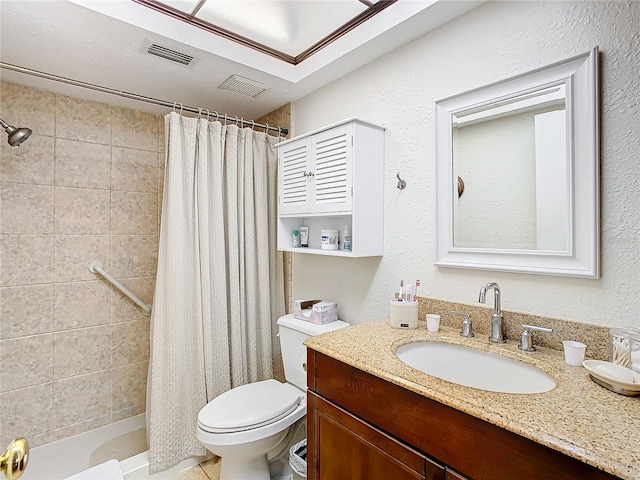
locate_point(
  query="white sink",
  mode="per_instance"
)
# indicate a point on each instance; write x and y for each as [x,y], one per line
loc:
[474,368]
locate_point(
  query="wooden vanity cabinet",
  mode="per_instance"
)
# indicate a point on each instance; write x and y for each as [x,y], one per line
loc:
[363,427]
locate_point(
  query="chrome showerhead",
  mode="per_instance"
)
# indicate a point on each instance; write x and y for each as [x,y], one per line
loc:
[16,135]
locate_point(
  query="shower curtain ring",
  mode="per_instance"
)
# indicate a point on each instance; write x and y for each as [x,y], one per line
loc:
[199,112]
[267,128]
[217,116]
[208,113]
[181,108]
[174,106]
[225,119]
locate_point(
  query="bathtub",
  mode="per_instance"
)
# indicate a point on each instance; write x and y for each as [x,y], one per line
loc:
[125,440]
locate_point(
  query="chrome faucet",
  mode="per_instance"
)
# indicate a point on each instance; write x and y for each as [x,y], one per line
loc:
[496,317]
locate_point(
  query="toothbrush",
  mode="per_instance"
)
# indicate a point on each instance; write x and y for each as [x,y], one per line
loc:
[415,292]
[400,294]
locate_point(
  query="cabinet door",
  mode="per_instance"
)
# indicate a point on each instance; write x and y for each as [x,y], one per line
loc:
[332,170]
[345,447]
[293,178]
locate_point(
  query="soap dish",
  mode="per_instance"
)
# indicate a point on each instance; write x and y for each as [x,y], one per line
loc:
[610,376]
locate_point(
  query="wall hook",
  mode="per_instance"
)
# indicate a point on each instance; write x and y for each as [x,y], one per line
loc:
[401,183]
[460,187]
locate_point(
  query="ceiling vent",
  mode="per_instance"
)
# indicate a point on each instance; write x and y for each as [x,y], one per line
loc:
[169,54]
[242,86]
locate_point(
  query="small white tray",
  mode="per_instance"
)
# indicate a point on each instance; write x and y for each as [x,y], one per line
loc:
[608,375]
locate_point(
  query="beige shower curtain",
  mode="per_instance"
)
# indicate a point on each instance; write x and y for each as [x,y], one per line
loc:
[219,282]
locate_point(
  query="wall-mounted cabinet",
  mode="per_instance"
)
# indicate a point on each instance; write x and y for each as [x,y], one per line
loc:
[332,178]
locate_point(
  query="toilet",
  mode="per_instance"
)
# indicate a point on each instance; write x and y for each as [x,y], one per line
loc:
[251,424]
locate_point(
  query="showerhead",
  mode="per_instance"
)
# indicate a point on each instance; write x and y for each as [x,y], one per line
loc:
[16,135]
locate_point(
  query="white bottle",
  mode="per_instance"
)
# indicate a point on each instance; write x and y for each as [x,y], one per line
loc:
[346,244]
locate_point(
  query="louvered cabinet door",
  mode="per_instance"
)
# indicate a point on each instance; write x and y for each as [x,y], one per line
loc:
[294,178]
[332,170]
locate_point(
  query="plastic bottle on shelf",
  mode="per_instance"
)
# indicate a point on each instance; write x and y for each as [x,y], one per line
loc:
[346,244]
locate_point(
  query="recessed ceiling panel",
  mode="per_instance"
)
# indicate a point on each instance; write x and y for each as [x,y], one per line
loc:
[289,26]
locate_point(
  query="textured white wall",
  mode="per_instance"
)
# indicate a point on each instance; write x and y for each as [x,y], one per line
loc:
[493,42]
[496,160]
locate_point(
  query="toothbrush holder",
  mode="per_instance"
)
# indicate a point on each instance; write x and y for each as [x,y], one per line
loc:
[403,314]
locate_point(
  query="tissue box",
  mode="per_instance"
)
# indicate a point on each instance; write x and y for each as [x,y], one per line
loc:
[315,311]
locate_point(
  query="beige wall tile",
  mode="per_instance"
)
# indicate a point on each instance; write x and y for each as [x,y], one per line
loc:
[118,415]
[26,260]
[135,129]
[51,306]
[73,254]
[81,398]
[134,213]
[28,107]
[161,170]
[82,120]
[134,170]
[81,304]
[26,412]
[129,387]
[160,200]
[82,211]
[82,164]
[26,209]
[25,361]
[123,309]
[80,351]
[80,427]
[31,163]
[26,310]
[134,256]
[130,342]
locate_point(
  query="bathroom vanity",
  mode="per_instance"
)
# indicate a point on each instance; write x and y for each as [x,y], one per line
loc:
[372,416]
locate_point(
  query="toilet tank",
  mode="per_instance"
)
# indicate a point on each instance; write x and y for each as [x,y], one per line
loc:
[293,332]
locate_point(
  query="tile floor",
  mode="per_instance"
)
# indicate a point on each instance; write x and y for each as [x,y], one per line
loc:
[209,470]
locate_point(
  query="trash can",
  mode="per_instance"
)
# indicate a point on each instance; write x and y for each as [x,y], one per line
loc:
[298,460]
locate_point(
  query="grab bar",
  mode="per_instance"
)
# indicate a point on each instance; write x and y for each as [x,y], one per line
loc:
[96,267]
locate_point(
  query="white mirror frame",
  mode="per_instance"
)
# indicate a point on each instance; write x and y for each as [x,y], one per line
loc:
[580,77]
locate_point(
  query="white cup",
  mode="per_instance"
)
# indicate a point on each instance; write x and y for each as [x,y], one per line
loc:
[433,322]
[574,352]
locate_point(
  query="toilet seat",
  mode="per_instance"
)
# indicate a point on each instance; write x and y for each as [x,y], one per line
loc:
[249,407]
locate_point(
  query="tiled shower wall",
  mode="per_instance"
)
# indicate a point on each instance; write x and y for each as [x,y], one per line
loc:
[85,186]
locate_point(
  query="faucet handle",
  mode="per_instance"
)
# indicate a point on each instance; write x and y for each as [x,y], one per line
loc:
[467,327]
[526,339]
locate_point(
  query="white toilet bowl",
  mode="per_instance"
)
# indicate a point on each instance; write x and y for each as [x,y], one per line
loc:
[248,425]
[244,424]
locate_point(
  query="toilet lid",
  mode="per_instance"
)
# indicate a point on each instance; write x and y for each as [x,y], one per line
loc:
[249,406]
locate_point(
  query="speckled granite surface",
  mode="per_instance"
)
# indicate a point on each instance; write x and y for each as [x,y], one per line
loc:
[596,337]
[577,417]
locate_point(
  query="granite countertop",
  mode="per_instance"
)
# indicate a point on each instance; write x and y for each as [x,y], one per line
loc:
[577,417]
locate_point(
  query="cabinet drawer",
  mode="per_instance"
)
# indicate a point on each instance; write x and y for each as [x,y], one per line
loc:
[472,447]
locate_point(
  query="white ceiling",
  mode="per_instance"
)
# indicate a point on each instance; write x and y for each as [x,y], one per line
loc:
[103,42]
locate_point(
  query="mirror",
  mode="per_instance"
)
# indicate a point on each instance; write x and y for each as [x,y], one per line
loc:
[517,174]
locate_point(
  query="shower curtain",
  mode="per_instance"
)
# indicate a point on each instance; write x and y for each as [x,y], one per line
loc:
[219,285]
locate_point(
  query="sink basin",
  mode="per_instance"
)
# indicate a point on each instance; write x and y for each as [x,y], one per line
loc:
[474,368]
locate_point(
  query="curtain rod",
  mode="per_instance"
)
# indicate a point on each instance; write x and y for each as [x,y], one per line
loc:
[141,98]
